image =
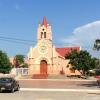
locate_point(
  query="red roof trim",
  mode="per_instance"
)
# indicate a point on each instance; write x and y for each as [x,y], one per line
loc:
[66,50]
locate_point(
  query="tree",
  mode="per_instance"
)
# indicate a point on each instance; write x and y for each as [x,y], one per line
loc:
[19,61]
[5,65]
[15,62]
[97,45]
[81,61]
[73,56]
[97,62]
[20,58]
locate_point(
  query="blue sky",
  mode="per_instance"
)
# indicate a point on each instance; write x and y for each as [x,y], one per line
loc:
[74,22]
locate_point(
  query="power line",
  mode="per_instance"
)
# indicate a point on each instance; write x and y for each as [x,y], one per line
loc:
[19,42]
[31,42]
[9,39]
[17,39]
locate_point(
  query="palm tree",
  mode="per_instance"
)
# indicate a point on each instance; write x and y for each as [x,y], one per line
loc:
[97,45]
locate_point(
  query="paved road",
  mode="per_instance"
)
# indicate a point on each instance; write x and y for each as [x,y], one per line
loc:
[59,84]
[26,95]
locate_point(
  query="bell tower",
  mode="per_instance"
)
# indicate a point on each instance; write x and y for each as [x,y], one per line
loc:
[44,31]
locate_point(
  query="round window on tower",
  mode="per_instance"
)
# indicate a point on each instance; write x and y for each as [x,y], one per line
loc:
[43,29]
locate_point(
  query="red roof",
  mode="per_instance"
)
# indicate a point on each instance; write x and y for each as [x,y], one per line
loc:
[44,21]
[66,50]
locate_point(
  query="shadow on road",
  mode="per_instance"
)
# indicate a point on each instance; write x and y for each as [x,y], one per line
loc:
[92,84]
[94,93]
[6,91]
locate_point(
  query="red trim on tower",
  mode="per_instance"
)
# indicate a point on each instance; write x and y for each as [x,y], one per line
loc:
[44,21]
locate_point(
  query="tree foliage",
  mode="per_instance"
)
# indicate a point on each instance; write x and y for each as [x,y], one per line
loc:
[5,65]
[97,61]
[19,61]
[81,61]
[20,58]
[97,45]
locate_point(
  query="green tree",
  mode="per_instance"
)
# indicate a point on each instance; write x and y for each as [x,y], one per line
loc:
[81,61]
[97,45]
[5,65]
[20,58]
[97,61]
[73,56]
[19,61]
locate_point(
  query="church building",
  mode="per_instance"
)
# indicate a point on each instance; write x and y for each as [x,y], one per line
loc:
[44,58]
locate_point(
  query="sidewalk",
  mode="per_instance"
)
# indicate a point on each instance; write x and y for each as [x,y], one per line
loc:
[59,79]
[61,90]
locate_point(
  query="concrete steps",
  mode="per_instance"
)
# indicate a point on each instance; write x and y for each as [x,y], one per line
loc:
[57,77]
[40,76]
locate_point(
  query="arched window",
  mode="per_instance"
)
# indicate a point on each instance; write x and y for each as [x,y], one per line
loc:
[44,34]
[41,34]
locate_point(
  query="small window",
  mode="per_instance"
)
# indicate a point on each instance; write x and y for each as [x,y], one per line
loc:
[67,66]
[43,29]
[41,34]
[44,34]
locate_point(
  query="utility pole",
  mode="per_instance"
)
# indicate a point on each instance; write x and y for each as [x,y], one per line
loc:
[52,57]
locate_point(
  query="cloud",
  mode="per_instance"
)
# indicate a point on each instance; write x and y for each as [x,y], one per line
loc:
[84,35]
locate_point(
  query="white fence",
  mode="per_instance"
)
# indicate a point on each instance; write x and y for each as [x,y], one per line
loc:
[20,71]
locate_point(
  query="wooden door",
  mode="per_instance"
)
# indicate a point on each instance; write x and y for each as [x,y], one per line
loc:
[43,67]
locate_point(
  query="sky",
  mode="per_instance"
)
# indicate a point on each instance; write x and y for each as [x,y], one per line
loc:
[74,23]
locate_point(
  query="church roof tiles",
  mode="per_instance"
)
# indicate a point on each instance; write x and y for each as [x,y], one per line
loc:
[66,50]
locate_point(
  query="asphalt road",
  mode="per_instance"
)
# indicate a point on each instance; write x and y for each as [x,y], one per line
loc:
[59,84]
[26,95]
[39,94]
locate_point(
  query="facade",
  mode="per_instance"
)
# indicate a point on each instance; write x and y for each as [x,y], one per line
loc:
[45,58]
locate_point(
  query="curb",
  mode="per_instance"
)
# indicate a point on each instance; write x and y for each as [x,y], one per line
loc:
[60,90]
[53,80]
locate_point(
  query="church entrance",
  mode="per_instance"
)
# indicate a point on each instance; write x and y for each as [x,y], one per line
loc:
[43,71]
[43,67]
